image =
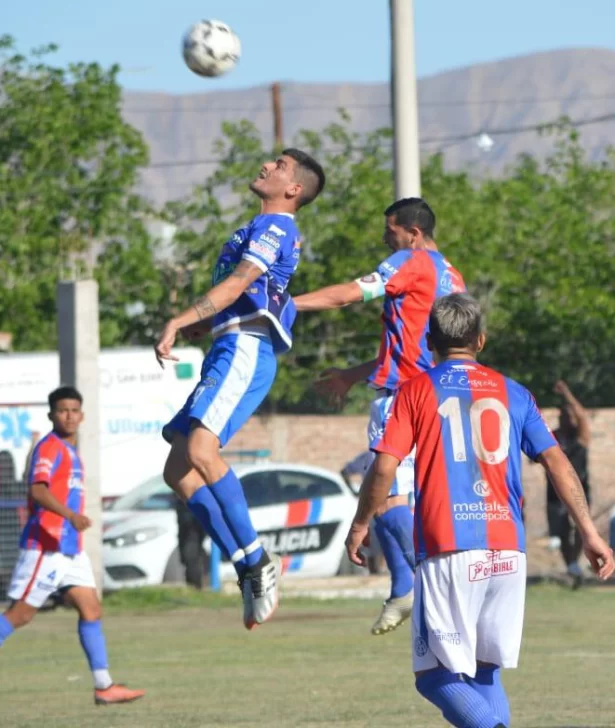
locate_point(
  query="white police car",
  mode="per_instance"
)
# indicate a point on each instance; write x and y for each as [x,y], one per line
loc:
[301,512]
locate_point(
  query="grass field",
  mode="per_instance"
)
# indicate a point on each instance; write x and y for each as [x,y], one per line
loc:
[315,665]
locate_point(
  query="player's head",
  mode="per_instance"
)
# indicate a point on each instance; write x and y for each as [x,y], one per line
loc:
[294,178]
[65,411]
[409,223]
[455,327]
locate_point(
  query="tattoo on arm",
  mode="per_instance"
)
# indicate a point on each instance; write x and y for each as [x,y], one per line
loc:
[577,492]
[204,308]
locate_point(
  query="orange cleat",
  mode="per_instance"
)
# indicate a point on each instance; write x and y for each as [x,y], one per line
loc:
[117,694]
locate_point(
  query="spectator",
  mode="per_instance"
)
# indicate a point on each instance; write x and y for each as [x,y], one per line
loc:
[573,435]
[190,537]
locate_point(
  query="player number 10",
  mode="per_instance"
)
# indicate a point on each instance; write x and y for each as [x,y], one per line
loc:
[450,409]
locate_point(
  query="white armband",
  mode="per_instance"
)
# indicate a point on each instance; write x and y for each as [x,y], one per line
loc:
[372,286]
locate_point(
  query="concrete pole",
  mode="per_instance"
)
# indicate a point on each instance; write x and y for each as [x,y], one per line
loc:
[403,100]
[79,346]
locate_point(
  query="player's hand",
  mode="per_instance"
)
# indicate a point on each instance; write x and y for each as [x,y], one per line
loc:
[196,331]
[79,522]
[165,344]
[561,387]
[600,556]
[357,536]
[333,384]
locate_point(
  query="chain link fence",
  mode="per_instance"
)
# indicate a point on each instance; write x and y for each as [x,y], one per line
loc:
[13,515]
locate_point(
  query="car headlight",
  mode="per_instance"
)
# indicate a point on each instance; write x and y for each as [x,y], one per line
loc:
[132,538]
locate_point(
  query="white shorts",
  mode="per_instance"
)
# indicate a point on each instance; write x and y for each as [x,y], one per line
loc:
[38,574]
[468,607]
[379,413]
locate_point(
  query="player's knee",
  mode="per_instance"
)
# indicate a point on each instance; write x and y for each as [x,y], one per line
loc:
[201,458]
[20,614]
[92,613]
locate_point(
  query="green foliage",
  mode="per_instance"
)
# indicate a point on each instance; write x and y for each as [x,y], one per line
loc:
[68,163]
[536,246]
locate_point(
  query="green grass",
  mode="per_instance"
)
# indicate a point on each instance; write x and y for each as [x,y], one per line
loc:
[315,665]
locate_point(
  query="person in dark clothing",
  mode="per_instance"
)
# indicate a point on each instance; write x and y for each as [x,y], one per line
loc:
[573,435]
[190,537]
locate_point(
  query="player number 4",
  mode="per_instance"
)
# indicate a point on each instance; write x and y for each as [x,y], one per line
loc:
[450,409]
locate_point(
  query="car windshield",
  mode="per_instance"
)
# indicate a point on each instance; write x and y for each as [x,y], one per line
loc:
[152,495]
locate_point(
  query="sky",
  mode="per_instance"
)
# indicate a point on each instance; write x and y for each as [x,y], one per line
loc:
[321,41]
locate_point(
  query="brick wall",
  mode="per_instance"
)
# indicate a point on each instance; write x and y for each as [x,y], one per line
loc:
[330,441]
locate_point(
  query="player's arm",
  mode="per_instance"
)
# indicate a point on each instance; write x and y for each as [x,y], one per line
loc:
[335,383]
[41,495]
[44,463]
[397,442]
[580,413]
[206,307]
[220,296]
[342,294]
[569,490]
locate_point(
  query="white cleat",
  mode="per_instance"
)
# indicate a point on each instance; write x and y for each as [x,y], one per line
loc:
[394,612]
[262,589]
[248,607]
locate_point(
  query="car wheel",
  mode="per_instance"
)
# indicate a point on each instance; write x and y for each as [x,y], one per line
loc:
[175,572]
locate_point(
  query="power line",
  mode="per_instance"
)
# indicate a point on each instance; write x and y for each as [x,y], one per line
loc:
[446,140]
[367,105]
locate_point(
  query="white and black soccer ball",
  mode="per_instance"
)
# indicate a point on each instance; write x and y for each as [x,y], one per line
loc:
[211,48]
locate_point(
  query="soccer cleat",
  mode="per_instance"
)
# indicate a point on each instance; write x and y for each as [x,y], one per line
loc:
[262,588]
[248,606]
[115,694]
[394,612]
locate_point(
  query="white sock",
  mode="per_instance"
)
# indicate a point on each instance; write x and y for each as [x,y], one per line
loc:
[102,679]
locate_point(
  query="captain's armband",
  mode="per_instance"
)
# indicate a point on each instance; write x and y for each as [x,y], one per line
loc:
[371,285]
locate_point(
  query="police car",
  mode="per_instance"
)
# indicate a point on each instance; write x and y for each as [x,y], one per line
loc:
[302,513]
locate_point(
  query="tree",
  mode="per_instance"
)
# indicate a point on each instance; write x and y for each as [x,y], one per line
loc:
[68,165]
[535,246]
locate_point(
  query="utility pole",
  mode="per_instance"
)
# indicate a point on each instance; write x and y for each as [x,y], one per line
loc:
[407,163]
[78,345]
[278,129]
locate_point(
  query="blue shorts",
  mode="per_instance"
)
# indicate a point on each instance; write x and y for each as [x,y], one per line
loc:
[236,376]
[379,413]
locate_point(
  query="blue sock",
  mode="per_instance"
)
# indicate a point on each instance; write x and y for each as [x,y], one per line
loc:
[93,642]
[229,494]
[6,629]
[208,513]
[460,704]
[395,533]
[488,682]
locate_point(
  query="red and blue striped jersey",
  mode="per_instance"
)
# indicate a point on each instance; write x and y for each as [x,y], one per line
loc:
[56,464]
[413,280]
[469,424]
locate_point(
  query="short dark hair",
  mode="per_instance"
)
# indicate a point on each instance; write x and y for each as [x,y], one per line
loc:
[413,212]
[455,322]
[309,173]
[64,393]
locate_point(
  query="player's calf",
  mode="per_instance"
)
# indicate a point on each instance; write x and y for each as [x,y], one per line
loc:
[460,704]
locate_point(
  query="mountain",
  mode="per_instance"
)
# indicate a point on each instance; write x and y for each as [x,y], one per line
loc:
[492,97]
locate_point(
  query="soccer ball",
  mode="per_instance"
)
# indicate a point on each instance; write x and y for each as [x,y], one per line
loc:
[211,48]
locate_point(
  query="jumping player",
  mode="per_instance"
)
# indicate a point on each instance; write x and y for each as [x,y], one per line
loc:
[51,559]
[251,315]
[410,280]
[469,425]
